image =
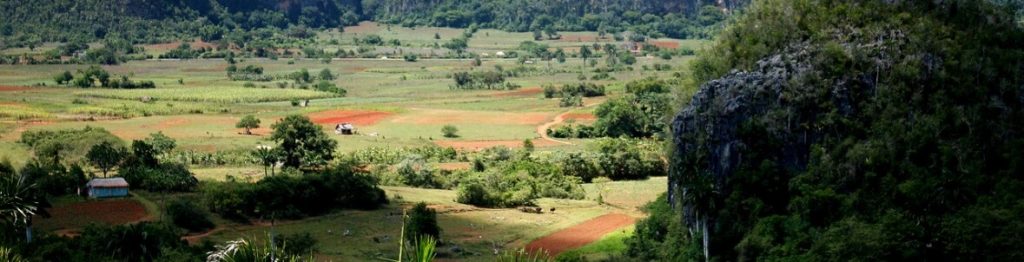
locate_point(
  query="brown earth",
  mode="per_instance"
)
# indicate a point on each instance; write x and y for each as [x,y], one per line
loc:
[68,218]
[363,27]
[580,116]
[529,91]
[357,117]
[445,116]
[580,234]
[13,88]
[666,44]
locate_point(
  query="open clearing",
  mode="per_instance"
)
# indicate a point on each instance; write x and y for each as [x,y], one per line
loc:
[78,215]
[358,117]
[580,235]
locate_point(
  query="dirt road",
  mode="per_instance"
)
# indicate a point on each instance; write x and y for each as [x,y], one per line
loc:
[580,234]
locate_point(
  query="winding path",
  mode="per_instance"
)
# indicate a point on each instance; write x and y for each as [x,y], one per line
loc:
[580,235]
[542,130]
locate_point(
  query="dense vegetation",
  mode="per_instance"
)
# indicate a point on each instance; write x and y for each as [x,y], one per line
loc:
[850,130]
[294,195]
[30,23]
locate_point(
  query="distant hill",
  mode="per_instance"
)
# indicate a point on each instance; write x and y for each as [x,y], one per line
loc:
[161,20]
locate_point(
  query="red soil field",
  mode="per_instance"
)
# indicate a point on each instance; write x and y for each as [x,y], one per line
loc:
[580,234]
[444,116]
[666,44]
[13,88]
[521,92]
[358,117]
[580,116]
[78,215]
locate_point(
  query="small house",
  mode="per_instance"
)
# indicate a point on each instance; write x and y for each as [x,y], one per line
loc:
[107,187]
[499,54]
[345,129]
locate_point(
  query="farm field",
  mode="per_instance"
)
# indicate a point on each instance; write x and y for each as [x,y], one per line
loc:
[394,105]
[478,231]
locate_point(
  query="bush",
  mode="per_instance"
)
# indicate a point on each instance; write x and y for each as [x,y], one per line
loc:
[414,171]
[295,196]
[624,159]
[186,215]
[450,131]
[298,244]
[422,222]
[164,177]
[517,183]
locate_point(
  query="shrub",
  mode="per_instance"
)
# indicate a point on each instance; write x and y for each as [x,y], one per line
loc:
[295,196]
[298,244]
[186,215]
[450,131]
[414,171]
[422,222]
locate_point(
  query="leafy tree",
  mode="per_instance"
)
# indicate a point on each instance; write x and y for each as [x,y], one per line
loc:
[450,131]
[528,145]
[105,156]
[422,221]
[267,157]
[248,122]
[143,154]
[63,78]
[187,215]
[326,74]
[20,200]
[302,143]
[585,53]
[162,144]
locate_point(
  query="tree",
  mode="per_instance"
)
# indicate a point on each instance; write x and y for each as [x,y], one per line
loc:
[267,157]
[143,153]
[560,55]
[422,222]
[248,122]
[105,156]
[162,144]
[450,131]
[20,200]
[551,33]
[585,53]
[528,145]
[326,75]
[302,143]
[63,78]
[537,35]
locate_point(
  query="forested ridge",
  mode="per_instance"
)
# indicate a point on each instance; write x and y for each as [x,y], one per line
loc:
[827,130]
[163,20]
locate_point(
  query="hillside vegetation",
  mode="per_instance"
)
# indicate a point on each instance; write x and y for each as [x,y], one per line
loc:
[850,130]
[28,23]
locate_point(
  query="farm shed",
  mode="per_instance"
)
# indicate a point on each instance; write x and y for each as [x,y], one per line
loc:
[345,129]
[107,187]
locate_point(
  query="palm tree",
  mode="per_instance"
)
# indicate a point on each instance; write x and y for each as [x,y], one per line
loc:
[248,250]
[20,201]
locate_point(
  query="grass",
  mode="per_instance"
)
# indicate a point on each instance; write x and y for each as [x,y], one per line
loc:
[476,230]
[609,247]
[200,114]
[221,95]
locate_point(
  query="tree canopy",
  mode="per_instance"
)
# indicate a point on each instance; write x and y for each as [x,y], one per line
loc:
[302,143]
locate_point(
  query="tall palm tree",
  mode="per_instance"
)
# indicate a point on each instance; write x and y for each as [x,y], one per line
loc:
[20,200]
